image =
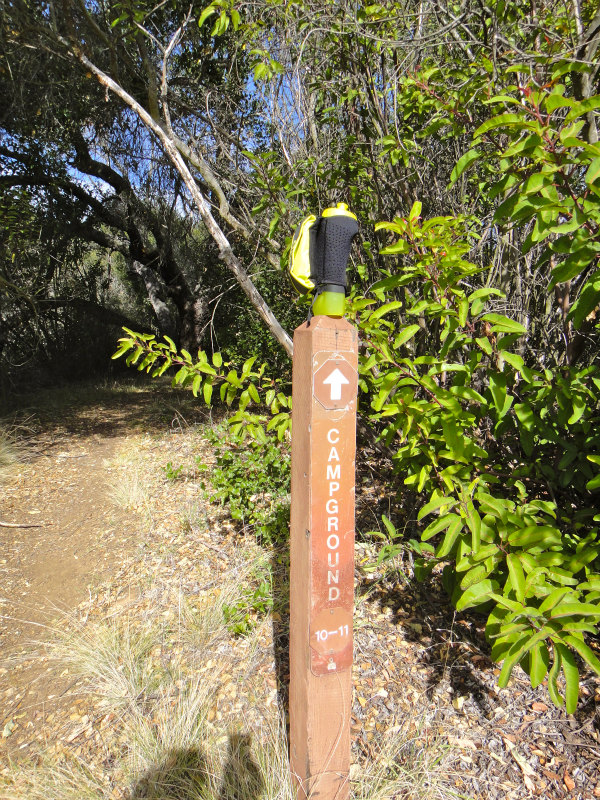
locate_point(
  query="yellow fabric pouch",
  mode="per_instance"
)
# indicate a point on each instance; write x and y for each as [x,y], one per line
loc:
[299,268]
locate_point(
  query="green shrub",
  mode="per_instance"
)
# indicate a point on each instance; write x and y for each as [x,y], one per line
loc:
[492,421]
[172,473]
[252,478]
[256,601]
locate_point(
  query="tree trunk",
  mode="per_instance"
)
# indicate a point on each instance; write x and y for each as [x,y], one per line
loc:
[155,290]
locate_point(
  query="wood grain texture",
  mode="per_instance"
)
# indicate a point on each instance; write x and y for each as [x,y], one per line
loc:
[319,703]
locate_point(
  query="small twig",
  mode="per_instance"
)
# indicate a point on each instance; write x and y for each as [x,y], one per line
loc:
[217,550]
[18,525]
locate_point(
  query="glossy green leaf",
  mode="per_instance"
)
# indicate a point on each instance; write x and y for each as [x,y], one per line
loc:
[438,525]
[588,300]
[438,502]
[406,334]
[462,165]
[579,407]
[474,575]
[474,525]
[415,211]
[501,121]
[498,391]
[389,526]
[517,575]
[571,673]
[553,679]
[533,535]
[476,594]
[513,359]
[575,609]
[387,308]
[586,653]
[583,107]
[503,324]
[538,663]
[449,539]
[253,392]
[593,484]
[593,172]
[207,12]
[497,506]
[523,644]
[554,101]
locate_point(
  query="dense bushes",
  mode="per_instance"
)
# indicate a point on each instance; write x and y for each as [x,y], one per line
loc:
[495,434]
[253,481]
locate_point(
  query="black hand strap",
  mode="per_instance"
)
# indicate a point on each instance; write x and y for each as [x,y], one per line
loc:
[330,243]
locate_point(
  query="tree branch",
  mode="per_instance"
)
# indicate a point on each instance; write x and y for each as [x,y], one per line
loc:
[172,150]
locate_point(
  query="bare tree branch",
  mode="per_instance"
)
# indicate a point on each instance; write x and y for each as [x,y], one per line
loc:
[172,150]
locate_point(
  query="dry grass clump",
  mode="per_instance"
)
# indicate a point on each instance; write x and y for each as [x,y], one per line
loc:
[163,746]
[9,454]
[130,493]
[405,766]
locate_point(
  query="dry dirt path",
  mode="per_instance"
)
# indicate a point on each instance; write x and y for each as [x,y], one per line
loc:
[73,538]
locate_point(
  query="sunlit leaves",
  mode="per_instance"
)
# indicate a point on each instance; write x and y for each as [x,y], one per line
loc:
[504,543]
[224,13]
[543,166]
[463,164]
[243,387]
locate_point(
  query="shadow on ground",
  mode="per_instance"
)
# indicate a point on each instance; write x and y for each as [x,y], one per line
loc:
[280,570]
[185,775]
[107,411]
[454,647]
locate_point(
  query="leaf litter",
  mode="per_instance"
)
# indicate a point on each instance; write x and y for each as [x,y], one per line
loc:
[146,646]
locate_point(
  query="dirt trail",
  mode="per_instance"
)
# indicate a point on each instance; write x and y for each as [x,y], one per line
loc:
[81,540]
[50,566]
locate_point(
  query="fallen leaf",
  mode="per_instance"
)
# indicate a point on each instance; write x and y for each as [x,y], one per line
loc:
[526,769]
[539,706]
[553,776]
[464,744]
[77,732]
[568,781]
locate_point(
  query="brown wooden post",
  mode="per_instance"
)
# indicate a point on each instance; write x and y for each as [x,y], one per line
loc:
[322,555]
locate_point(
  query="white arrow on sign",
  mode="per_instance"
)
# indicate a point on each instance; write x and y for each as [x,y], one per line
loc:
[336,380]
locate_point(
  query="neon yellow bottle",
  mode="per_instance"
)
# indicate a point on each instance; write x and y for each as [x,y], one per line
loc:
[332,304]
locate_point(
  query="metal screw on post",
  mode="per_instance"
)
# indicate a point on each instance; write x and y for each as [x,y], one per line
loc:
[324,390]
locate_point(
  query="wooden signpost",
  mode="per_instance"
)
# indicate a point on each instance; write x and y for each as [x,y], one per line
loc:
[322,555]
